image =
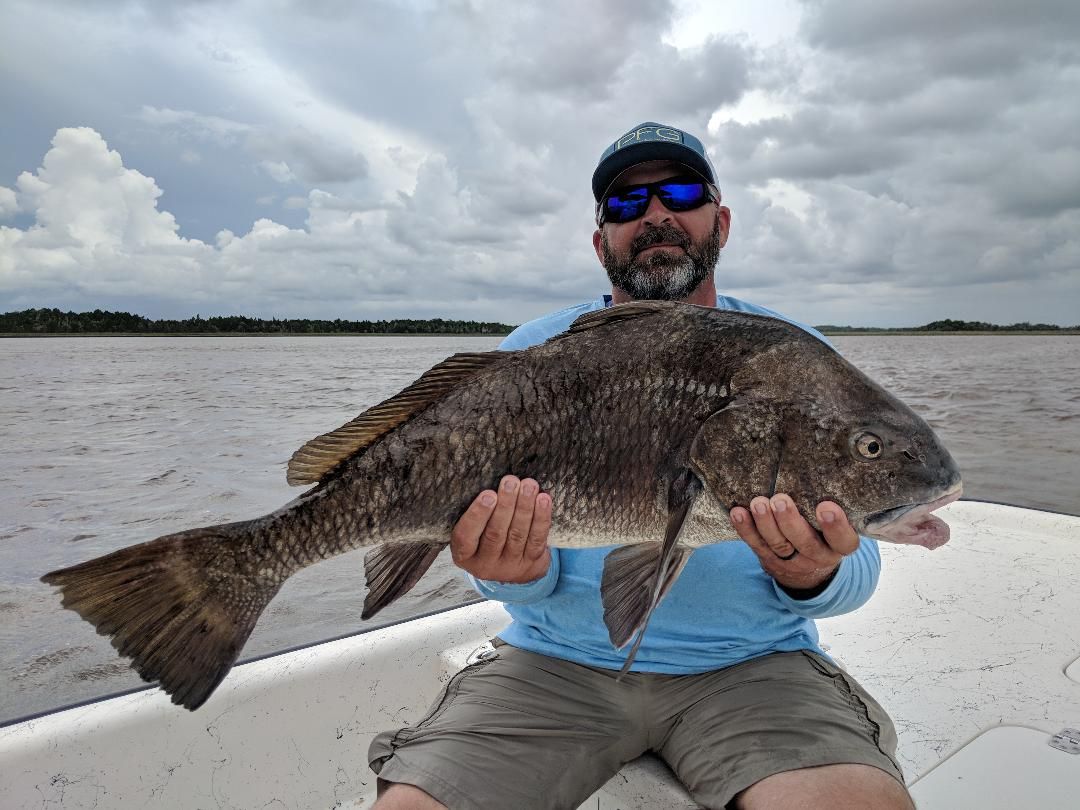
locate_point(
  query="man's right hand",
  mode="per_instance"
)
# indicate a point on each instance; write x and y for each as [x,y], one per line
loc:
[503,536]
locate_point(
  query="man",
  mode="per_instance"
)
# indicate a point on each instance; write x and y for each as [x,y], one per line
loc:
[729,685]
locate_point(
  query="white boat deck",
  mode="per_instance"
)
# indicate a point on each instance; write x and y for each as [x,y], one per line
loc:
[977,635]
[977,641]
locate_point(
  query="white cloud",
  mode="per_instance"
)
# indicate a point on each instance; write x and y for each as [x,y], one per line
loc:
[279,170]
[8,202]
[98,232]
[96,225]
[289,155]
[84,197]
[767,22]
[196,125]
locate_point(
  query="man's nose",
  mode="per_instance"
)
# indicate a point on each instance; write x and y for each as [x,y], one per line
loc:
[656,212]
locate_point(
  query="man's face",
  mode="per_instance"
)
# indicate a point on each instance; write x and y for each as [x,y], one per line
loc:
[662,255]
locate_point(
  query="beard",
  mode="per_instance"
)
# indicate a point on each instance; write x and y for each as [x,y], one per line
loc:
[662,276]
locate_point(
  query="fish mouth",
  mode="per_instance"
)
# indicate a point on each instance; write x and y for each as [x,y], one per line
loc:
[913,524]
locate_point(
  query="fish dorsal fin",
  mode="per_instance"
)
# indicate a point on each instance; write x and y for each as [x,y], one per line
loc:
[323,453]
[620,312]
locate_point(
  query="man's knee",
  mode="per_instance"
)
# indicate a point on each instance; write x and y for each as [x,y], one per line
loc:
[399,796]
[830,787]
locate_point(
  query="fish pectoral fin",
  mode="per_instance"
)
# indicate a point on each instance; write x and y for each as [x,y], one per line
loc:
[636,578]
[323,453]
[392,569]
[738,452]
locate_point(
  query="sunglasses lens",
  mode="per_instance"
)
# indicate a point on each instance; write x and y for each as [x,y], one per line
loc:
[630,203]
[627,205]
[683,196]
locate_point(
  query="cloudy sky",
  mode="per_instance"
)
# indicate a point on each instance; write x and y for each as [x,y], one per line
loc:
[886,163]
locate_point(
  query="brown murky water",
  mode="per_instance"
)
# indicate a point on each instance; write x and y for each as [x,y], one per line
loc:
[106,442]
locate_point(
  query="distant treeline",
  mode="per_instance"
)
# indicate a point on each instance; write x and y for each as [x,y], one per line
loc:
[950,325]
[55,322]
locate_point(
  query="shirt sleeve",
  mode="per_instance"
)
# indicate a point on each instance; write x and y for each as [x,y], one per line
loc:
[520,593]
[851,588]
[518,339]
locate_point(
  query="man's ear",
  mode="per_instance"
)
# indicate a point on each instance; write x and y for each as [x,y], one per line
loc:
[598,245]
[723,218]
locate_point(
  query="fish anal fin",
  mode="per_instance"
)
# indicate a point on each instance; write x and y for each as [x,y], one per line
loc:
[392,569]
[323,453]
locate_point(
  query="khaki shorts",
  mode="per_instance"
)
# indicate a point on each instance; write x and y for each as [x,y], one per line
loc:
[521,730]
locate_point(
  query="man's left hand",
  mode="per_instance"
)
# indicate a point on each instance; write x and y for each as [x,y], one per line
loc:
[790,550]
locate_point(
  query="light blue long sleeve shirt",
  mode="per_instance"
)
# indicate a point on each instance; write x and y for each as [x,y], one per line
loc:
[723,608]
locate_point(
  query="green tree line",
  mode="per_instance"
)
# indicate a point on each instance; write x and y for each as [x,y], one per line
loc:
[950,325]
[55,322]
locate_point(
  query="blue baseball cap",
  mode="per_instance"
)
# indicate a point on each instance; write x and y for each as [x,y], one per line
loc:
[650,141]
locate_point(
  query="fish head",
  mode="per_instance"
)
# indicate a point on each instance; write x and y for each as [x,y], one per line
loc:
[809,424]
[858,445]
[891,475]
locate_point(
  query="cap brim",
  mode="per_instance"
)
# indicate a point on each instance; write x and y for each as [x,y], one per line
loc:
[608,171]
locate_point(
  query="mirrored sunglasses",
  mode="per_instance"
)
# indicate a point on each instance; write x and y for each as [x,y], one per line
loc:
[677,194]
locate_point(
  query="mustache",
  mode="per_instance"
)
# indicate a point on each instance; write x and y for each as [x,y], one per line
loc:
[659,234]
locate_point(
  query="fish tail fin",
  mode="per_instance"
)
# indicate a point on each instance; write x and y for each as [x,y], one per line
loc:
[180,607]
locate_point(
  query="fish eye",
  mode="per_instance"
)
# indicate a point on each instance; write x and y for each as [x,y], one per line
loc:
[869,445]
